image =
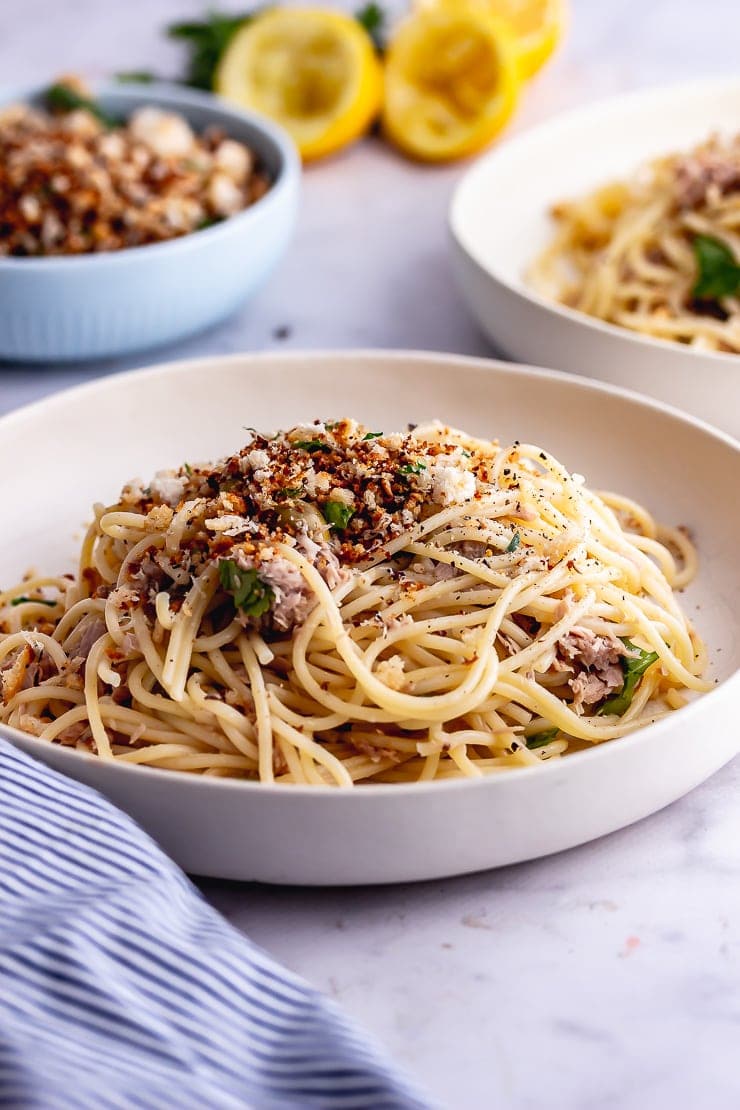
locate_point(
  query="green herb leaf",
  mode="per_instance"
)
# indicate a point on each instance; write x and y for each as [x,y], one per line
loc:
[63,98]
[539,739]
[37,600]
[206,42]
[311,445]
[337,514]
[516,539]
[253,596]
[718,270]
[188,469]
[289,491]
[634,668]
[412,468]
[136,77]
[372,17]
[372,435]
[209,221]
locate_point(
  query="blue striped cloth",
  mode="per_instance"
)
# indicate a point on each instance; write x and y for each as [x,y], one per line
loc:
[121,987]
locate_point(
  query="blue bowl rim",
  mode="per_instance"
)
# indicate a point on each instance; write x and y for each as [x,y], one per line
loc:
[178,98]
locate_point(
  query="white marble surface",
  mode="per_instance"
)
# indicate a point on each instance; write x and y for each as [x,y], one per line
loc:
[605,977]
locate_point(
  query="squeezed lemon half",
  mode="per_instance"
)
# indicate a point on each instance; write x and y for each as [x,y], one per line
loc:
[313,71]
[537,26]
[451,81]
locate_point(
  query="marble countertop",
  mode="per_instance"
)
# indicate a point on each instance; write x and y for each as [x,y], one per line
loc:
[608,976]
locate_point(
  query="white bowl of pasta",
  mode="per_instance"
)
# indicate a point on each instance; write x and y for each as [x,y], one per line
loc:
[369,652]
[606,242]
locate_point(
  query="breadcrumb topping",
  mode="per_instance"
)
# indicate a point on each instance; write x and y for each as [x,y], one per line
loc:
[75,182]
[339,482]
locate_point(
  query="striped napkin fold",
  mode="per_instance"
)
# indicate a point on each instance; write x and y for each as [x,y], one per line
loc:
[121,987]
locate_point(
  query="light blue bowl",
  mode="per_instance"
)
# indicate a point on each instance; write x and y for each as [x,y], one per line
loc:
[101,305]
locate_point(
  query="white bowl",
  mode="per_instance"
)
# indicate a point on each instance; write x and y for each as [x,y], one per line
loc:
[75,449]
[499,223]
[87,306]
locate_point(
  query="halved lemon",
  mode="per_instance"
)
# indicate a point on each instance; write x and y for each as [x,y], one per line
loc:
[451,81]
[313,71]
[537,26]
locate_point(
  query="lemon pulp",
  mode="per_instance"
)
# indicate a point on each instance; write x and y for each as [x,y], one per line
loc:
[313,71]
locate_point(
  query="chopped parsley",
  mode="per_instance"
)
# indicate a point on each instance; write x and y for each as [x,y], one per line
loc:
[208,221]
[311,445]
[253,596]
[539,739]
[39,601]
[718,272]
[372,435]
[289,491]
[63,98]
[412,468]
[188,469]
[634,668]
[516,539]
[337,514]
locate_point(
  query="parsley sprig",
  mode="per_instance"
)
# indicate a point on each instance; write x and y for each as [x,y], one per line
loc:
[38,600]
[718,272]
[634,668]
[253,596]
[373,18]
[337,514]
[311,445]
[541,738]
[206,40]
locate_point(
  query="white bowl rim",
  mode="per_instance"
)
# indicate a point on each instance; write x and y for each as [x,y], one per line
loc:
[33,744]
[176,97]
[565,120]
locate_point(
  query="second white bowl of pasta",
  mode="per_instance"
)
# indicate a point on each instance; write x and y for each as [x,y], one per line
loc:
[606,242]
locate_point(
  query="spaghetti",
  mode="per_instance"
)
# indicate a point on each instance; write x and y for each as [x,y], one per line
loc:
[334,605]
[657,254]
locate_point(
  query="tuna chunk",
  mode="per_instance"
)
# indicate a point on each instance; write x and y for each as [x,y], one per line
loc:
[324,559]
[90,636]
[585,647]
[596,661]
[591,687]
[39,670]
[698,172]
[293,599]
[86,634]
